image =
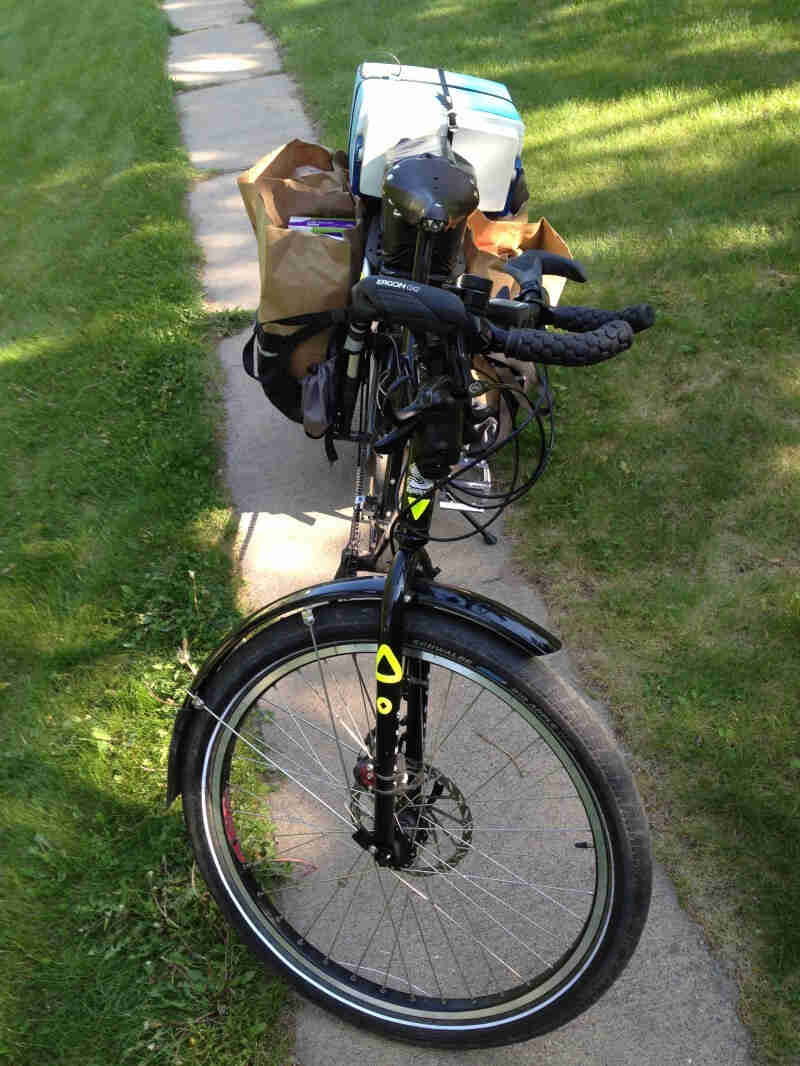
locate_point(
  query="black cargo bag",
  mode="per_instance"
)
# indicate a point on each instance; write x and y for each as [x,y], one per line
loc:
[266,356]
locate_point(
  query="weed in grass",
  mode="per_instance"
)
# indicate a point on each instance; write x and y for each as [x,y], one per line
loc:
[228,322]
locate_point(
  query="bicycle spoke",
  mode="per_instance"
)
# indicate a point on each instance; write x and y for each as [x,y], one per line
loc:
[517,880]
[442,716]
[350,726]
[515,884]
[492,896]
[287,760]
[345,774]
[455,922]
[424,941]
[306,745]
[395,943]
[346,913]
[312,725]
[460,718]
[377,924]
[505,766]
[273,763]
[368,706]
[516,829]
[318,829]
[496,921]
[332,896]
[453,952]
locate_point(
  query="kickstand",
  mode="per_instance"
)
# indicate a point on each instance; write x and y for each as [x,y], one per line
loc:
[488,538]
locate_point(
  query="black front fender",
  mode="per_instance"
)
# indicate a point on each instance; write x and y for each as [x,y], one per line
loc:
[486,613]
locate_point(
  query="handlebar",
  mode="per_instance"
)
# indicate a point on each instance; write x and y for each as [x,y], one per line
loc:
[564,349]
[595,335]
[584,319]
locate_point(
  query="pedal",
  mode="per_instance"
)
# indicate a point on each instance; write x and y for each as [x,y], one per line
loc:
[477,479]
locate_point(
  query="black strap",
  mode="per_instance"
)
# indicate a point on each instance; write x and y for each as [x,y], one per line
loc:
[330,450]
[320,319]
[285,344]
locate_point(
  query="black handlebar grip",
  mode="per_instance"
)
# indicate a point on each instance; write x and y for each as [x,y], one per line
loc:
[583,319]
[569,349]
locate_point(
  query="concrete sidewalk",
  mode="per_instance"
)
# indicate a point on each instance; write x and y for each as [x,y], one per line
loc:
[674,1006]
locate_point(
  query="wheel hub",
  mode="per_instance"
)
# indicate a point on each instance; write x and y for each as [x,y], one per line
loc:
[434,823]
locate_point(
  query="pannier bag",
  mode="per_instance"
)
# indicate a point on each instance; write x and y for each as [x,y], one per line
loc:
[303,270]
[267,357]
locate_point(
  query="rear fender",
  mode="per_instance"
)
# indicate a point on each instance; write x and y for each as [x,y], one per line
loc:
[486,613]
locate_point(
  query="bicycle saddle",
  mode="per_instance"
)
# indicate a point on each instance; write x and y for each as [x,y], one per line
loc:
[432,191]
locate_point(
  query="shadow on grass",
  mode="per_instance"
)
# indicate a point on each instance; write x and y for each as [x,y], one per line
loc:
[145,964]
[84,862]
[576,53]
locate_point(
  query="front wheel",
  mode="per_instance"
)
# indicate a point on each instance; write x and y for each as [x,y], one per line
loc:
[527,883]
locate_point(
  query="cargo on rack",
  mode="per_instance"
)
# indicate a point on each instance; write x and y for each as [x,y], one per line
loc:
[393,103]
[303,268]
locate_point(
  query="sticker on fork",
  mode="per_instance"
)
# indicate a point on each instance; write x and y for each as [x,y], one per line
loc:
[418,506]
[387,668]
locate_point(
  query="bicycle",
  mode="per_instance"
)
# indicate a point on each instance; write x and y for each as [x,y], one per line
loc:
[389,792]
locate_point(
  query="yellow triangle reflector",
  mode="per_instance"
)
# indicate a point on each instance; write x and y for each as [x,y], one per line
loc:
[418,509]
[387,668]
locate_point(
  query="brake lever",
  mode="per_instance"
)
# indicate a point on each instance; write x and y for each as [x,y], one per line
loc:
[535,262]
[437,393]
[527,270]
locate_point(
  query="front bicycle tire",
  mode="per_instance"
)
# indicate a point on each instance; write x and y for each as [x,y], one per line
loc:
[530,882]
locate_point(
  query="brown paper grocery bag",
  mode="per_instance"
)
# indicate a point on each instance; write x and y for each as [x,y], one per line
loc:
[490,242]
[488,245]
[300,271]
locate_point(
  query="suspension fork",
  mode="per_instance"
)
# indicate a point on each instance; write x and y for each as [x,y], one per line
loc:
[396,680]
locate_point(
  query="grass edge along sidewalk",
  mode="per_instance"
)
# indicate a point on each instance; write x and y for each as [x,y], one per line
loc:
[662,142]
[115,573]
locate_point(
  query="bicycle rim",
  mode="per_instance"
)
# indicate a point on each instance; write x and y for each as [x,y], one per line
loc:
[509,896]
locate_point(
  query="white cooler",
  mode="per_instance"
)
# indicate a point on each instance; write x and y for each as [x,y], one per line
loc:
[392,102]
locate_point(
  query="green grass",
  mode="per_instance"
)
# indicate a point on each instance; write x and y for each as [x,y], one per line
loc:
[115,574]
[663,142]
